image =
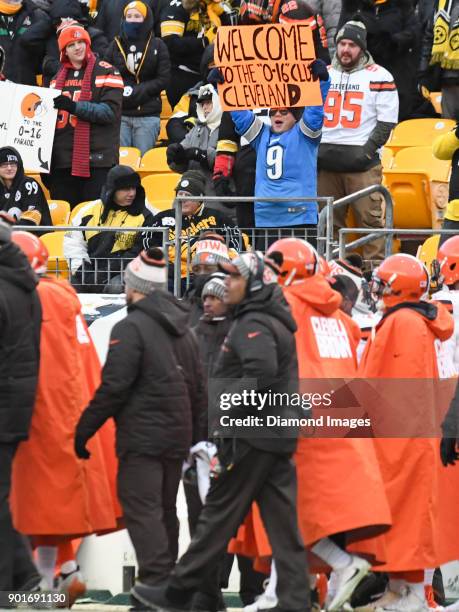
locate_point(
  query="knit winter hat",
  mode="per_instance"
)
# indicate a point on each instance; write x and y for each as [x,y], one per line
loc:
[71,33]
[215,287]
[210,249]
[193,182]
[147,272]
[8,155]
[138,6]
[253,268]
[355,31]
[119,177]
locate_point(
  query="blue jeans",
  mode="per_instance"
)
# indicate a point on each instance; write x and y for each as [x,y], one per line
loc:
[140,132]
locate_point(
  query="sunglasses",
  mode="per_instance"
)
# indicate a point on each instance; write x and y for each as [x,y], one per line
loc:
[283,112]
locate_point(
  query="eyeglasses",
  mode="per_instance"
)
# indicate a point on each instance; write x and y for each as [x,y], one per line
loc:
[9,164]
[282,112]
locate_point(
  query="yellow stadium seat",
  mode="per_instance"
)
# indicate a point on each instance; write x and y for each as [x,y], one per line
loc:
[417,133]
[419,185]
[154,162]
[57,264]
[412,198]
[77,209]
[60,211]
[435,99]
[428,250]
[386,158]
[160,187]
[130,156]
[163,132]
[166,111]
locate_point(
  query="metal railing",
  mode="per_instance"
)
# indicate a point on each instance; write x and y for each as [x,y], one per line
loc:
[342,233]
[326,221]
[327,238]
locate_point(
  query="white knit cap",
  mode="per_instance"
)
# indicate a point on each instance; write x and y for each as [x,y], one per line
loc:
[147,271]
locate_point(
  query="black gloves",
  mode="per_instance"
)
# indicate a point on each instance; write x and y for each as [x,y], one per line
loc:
[80,447]
[448,452]
[65,103]
[319,70]
[215,77]
[175,154]
[195,154]
[222,186]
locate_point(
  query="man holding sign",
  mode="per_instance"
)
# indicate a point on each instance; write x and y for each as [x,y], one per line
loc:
[287,147]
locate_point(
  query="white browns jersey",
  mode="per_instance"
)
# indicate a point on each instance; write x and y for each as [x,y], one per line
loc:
[356,101]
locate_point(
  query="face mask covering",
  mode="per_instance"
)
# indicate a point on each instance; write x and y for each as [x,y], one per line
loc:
[198,282]
[132,28]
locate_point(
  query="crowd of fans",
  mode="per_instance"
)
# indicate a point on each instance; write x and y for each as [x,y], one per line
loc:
[273,317]
[111,61]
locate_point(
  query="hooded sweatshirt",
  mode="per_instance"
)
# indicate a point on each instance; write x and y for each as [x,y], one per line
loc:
[24,200]
[151,382]
[203,136]
[20,321]
[92,243]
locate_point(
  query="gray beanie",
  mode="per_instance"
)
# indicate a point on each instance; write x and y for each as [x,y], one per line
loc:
[355,31]
[215,287]
[147,272]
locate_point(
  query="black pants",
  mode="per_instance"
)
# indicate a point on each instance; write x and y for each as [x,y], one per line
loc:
[16,567]
[180,82]
[147,488]
[270,480]
[244,183]
[448,224]
[74,189]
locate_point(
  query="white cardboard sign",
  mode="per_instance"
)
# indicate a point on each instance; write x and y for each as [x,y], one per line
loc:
[27,123]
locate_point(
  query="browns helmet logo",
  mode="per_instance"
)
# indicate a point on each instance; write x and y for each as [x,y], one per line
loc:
[32,106]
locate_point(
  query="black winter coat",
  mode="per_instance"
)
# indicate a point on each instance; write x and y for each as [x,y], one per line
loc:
[260,346]
[142,86]
[40,40]
[152,381]
[21,66]
[20,321]
[211,334]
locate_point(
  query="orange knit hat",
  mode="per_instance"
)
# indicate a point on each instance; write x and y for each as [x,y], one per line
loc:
[72,33]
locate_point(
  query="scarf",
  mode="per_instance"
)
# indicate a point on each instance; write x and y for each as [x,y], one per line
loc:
[9,9]
[445,50]
[82,132]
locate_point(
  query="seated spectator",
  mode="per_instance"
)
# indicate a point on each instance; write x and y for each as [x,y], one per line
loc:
[447,147]
[16,18]
[20,195]
[393,39]
[358,122]
[439,66]
[210,250]
[184,112]
[41,38]
[286,161]
[110,13]
[87,137]
[96,259]
[143,62]
[198,149]
[197,217]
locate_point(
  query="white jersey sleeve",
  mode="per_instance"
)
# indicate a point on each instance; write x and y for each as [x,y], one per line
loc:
[356,101]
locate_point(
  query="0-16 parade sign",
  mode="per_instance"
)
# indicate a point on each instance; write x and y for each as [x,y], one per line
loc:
[266,66]
[27,123]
